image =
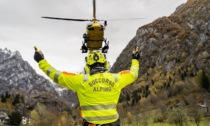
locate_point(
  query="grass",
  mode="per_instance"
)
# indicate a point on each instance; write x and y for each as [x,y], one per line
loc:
[149,120]
[205,122]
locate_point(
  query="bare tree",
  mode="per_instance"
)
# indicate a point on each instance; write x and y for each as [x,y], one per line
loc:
[41,117]
[194,110]
[122,113]
[178,118]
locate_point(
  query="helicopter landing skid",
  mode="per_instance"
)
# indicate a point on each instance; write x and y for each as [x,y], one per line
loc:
[84,48]
[106,47]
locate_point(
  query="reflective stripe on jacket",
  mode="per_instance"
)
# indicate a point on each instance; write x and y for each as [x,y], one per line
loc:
[99,93]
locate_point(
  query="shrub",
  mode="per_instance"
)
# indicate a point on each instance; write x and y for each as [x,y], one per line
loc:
[152,98]
[163,95]
[130,117]
[144,104]
[158,117]
[178,87]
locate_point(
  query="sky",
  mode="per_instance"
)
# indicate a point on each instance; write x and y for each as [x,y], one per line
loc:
[22,28]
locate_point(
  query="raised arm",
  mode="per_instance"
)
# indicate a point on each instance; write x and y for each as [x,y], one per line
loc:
[68,80]
[127,77]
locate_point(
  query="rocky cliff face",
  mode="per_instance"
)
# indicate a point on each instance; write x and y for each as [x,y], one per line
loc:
[173,47]
[17,76]
[182,38]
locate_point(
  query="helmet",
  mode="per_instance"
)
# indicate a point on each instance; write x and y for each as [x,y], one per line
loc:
[95,57]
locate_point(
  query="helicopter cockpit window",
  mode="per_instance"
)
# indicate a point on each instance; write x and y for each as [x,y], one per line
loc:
[90,28]
[101,28]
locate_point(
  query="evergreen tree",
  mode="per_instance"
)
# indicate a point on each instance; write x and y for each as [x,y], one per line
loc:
[7,95]
[15,118]
[3,99]
[205,81]
[16,99]
[22,99]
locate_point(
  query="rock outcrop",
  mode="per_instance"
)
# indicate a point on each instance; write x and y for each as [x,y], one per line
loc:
[182,39]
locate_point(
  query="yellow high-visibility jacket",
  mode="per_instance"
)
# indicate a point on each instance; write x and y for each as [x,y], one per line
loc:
[99,93]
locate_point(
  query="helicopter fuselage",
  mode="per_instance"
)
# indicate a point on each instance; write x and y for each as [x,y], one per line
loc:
[94,36]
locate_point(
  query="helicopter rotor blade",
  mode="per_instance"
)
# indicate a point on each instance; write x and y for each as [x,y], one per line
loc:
[67,19]
[125,19]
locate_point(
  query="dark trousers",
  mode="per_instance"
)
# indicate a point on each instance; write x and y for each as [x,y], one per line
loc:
[116,123]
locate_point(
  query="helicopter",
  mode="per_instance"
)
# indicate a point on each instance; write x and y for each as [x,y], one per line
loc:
[94,36]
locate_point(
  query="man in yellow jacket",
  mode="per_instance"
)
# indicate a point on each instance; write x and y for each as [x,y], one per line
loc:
[98,90]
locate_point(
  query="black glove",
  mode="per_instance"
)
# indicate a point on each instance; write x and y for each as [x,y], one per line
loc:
[136,54]
[38,56]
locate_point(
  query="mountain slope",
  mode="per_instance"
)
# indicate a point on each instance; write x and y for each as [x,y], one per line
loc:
[173,49]
[181,39]
[18,77]
[18,74]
